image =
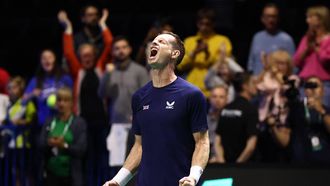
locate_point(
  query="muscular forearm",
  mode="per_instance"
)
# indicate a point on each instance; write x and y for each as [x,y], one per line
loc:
[134,158]
[199,159]
[248,150]
[202,151]
[131,164]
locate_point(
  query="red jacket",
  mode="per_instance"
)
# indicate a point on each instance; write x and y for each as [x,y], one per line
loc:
[75,67]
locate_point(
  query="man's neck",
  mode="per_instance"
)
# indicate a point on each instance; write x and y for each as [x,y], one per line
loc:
[207,35]
[245,95]
[90,31]
[64,116]
[122,64]
[161,78]
[214,111]
[272,31]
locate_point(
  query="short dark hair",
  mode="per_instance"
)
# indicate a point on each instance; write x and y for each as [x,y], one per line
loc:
[84,8]
[120,38]
[239,80]
[178,45]
[206,13]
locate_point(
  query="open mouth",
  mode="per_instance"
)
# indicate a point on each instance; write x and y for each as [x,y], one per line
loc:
[153,52]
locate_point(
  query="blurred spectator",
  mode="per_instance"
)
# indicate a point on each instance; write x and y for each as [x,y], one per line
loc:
[4,79]
[63,140]
[273,107]
[4,103]
[87,71]
[49,77]
[203,49]
[4,99]
[15,143]
[218,100]
[119,83]
[20,112]
[237,127]
[158,27]
[91,32]
[310,126]
[42,88]
[313,54]
[268,40]
[221,73]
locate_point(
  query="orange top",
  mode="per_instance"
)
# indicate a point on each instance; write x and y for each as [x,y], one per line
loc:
[75,67]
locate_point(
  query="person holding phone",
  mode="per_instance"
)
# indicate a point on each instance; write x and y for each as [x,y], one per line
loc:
[310,126]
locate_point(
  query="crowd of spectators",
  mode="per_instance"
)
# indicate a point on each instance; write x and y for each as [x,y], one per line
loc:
[73,117]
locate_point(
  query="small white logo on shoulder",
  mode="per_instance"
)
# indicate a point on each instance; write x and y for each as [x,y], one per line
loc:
[145,107]
[170,105]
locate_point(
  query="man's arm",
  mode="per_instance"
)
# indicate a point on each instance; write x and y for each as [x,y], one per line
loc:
[248,150]
[107,40]
[131,164]
[199,159]
[219,152]
[202,149]
[68,47]
[134,158]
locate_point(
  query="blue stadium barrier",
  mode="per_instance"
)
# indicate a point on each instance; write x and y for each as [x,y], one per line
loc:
[15,155]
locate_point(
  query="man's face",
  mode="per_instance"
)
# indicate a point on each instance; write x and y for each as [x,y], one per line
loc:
[314,92]
[47,60]
[270,18]
[251,86]
[205,26]
[121,50]
[160,51]
[218,98]
[63,104]
[91,16]
[87,56]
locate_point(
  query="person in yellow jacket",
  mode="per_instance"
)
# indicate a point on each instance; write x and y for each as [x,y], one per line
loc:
[20,112]
[203,49]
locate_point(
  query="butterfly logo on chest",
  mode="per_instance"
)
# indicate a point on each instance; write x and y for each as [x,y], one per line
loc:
[170,105]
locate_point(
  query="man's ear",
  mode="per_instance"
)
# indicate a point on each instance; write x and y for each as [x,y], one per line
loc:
[175,54]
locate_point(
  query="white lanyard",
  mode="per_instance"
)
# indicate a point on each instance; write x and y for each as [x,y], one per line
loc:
[66,128]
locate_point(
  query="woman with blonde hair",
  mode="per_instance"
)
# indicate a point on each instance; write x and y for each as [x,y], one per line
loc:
[313,54]
[273,109]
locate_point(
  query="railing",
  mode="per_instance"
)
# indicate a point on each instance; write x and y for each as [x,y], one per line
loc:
[15,155]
